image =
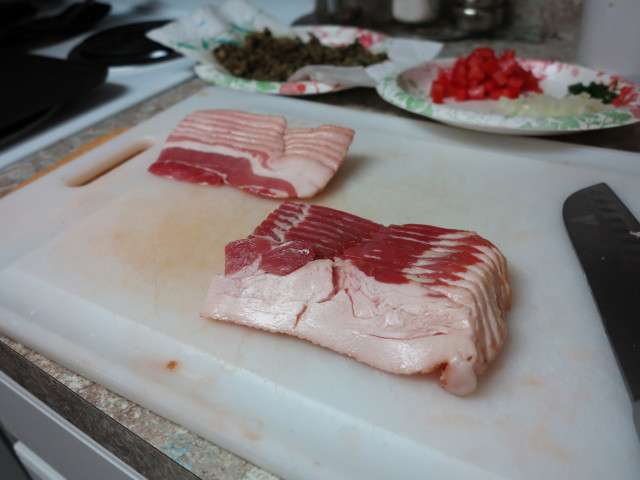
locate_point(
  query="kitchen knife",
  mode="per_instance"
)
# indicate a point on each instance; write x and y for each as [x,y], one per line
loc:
[606,237]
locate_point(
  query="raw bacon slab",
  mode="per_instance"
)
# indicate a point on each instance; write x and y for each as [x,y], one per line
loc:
[405,299]
[253,152]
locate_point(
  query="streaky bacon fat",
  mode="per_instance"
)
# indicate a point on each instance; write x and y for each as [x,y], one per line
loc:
[405,299]
[253,152]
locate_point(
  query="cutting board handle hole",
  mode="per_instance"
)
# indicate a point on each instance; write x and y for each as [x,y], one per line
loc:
[110,163]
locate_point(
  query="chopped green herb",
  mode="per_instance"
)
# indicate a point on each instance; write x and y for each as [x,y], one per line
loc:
[599,91]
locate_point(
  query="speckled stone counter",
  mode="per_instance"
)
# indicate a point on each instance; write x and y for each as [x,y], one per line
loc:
[155,447]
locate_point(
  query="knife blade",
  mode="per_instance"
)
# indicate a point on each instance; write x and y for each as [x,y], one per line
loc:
[606,237]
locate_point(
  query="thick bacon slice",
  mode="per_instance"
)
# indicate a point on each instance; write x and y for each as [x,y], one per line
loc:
[405,299]
[253,152]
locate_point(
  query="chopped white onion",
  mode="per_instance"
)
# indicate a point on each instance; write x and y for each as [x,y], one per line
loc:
[543,105]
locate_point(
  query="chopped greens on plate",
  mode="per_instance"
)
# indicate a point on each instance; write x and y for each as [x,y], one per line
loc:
[599,91]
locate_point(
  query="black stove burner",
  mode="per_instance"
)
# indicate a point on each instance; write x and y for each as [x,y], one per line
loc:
[31,101]
[124,45]
[25,26]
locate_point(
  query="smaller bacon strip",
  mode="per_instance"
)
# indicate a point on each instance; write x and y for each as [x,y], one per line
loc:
[256,153]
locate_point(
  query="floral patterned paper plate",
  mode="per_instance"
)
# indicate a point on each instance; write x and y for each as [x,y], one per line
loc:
[328,35]
[410,91]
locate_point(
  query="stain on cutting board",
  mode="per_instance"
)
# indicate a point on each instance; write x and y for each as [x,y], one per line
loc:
[159,236]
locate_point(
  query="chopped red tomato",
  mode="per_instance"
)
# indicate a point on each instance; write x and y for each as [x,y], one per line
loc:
[508,66]
[500,78]
[515,82]
[485,52]
[476,93]
[459,93]
[530,83]
[495,94]
[490,85]
[437,92]
[511,92]
[475,73]
[483,75]
[490,65]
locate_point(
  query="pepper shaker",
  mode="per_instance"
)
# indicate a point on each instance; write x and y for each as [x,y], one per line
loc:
[478,16]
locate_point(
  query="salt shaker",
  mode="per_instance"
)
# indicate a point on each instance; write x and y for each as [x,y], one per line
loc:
[415,11]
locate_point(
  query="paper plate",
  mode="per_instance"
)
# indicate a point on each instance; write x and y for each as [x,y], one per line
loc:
[410,89]
[328,35]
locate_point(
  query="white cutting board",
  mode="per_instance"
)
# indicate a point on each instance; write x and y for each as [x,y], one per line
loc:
[108,279]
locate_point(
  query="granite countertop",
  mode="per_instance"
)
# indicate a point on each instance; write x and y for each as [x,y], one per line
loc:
[152,445]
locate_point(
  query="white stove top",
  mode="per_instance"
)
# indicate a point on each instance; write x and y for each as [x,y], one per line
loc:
[127,86]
